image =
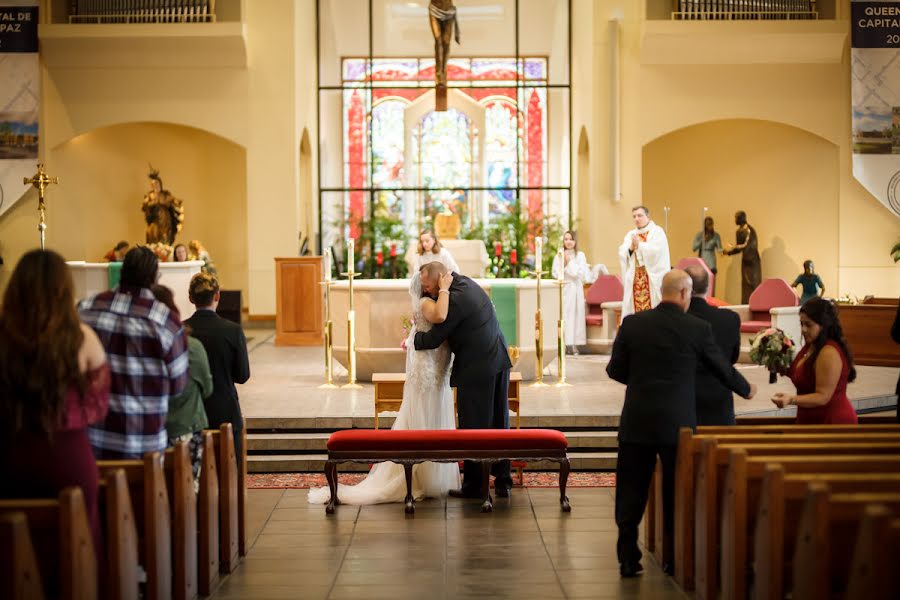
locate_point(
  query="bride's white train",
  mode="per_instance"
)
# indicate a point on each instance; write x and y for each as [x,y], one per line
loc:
[427,404]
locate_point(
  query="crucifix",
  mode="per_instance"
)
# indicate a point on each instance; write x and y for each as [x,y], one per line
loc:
[41,181]
[442,18]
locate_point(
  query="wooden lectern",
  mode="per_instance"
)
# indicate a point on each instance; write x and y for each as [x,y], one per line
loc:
[298,309]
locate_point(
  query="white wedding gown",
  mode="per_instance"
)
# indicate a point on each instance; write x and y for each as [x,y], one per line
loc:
[427,404]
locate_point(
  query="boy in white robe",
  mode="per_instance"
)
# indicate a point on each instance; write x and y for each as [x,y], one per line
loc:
[644,258]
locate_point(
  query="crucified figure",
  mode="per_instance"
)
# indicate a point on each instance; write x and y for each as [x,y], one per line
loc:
[442,17]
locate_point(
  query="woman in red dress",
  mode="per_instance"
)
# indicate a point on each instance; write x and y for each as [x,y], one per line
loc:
[821,370]
[54,382]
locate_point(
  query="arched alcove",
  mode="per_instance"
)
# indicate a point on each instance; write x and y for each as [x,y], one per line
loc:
[785,178]
[103,179]
[583,180]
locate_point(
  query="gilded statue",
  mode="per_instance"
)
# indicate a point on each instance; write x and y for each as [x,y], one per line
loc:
[162,211]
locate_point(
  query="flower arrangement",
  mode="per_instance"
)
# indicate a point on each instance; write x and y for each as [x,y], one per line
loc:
[773,349]
[408,325]
[162,251]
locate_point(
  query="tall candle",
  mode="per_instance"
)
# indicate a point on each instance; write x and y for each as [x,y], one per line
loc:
[538,243]
[327,265]
[351,263]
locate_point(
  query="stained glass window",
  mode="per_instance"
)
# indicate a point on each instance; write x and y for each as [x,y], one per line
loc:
[469,159]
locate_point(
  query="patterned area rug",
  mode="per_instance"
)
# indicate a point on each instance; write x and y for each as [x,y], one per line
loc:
[270,481]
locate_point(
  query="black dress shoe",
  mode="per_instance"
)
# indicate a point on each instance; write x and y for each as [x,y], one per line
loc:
[502,491]
[669,569]
[630,569]
[462,493]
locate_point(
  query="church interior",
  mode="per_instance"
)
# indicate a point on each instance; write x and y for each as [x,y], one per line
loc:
[300,153]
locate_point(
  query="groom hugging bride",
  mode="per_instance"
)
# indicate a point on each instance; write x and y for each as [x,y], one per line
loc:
[453,316]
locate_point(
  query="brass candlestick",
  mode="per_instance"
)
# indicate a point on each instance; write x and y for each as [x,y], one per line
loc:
[538,323]
[329,341]
[561,326]
[41,181]
[351,323]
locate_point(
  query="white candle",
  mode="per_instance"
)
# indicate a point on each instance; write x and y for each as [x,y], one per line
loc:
[350,262]
[538,243]
[327,265]
[562,263]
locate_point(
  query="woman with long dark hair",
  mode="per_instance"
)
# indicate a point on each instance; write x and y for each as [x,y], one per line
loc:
[822,369]
[54,382]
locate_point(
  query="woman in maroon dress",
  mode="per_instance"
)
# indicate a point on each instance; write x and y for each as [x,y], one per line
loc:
[821,370]
[54,382]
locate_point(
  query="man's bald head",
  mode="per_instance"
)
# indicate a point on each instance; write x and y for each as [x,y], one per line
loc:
[676,288]
[430,275]
[699,277]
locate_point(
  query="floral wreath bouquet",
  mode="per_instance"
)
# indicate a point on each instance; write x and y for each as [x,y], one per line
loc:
[774,350]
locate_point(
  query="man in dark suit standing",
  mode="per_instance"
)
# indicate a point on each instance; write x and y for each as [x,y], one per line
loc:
[226,348]
[715,402]
[656,354]
[480,367]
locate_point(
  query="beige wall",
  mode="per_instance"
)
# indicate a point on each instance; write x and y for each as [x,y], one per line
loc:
[103,181]
[265,107]
[784,178]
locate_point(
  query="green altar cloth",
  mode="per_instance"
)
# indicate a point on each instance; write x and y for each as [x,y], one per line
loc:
[503,295]
[115,273]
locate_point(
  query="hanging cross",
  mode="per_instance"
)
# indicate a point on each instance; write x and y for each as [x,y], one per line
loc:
[40,182]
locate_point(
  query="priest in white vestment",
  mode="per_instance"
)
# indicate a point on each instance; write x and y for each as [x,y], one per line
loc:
[644,258]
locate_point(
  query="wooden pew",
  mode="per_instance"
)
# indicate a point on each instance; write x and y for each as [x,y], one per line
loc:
[242,494]
[208,518]
[779,496]
[863,420]
[710,478]
[120,537]
[828,529]
[61,538]
[183,507]
[226,468]
[150,498]
[20,578]
[874,574]
[687,463]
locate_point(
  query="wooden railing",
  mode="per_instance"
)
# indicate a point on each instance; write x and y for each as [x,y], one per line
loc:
[744,10]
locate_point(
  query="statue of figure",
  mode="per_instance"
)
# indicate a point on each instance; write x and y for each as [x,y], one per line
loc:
[442,17]
[162,211]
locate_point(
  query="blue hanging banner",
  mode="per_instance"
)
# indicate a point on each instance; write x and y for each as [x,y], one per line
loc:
[20,85]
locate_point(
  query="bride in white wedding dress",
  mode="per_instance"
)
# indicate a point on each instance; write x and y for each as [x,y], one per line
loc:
[427,404]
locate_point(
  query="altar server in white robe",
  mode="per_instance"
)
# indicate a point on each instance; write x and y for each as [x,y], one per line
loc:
[573,267]
[430,250]
[644,258]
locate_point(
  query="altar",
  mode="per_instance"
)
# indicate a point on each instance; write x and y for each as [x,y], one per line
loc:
[91,278]
[382,305]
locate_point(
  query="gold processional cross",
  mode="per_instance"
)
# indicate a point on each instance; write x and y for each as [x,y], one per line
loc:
[40,182]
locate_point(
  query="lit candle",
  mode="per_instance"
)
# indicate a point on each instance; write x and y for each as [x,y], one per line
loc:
[350,258]
[538,243]
[327,266]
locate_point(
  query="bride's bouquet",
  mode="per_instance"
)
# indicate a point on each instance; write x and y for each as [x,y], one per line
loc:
[408,325]
[774,350]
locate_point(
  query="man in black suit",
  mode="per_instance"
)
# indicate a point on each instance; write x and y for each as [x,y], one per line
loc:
[480,366]
[226,348]
[656,354]
[715,402]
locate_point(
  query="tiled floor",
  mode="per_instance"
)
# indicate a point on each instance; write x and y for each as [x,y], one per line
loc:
[284,384]
[525,549]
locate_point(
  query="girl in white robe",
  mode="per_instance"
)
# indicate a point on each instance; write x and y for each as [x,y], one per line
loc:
[573,267]
[430,250]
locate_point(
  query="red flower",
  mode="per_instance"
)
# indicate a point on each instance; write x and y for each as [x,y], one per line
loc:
[379,258]
[513,257]
[393,250]
[498,249]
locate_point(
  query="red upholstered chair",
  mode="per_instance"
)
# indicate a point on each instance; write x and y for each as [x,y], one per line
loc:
[771,293]
[607,288]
